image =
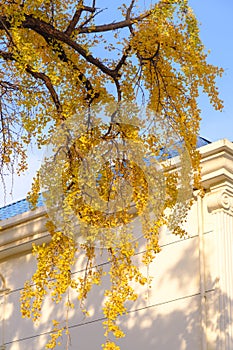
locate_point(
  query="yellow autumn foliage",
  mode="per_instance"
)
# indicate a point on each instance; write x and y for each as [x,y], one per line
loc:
[76,85]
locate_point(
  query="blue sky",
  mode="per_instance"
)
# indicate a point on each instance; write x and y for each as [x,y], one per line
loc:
[217,35]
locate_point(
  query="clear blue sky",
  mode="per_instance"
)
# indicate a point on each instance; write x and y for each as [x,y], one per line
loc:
[217,34]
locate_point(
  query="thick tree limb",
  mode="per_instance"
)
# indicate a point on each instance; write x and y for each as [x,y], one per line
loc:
[56,46]
[77,15]
[47,30]
[50,34]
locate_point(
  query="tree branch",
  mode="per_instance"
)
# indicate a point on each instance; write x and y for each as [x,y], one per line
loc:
[129,10]
[75,18]
[112,26]
[38,75]
[8,85]
[77,15]
[49,85]
[47,30]
[56,46]
[128,49]
[90,18]
[122,61]
[8,56]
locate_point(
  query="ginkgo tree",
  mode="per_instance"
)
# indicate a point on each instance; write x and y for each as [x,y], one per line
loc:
[76,82]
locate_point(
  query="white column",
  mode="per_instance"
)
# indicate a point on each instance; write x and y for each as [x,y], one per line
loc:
[220,205]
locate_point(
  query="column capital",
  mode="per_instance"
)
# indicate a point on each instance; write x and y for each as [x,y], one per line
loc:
[221,198]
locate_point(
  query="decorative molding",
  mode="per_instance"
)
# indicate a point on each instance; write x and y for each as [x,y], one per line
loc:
[221,200]
[216,163]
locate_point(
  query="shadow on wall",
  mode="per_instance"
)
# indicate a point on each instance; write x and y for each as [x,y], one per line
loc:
[165,317]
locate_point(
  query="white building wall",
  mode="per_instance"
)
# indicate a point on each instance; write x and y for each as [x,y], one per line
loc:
[189,306]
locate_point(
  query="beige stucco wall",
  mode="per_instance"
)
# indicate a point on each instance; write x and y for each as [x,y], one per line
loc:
[189,306]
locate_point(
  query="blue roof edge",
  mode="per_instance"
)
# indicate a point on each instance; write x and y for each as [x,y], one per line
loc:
[22,206]
[18,207]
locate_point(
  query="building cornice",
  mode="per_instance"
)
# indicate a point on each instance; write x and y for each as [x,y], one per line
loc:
[18,233]
[216,163]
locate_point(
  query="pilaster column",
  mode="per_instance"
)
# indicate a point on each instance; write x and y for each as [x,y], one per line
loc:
[3,292]
[220,205]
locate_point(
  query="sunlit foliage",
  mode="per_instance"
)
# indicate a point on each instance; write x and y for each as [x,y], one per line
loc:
[60,59]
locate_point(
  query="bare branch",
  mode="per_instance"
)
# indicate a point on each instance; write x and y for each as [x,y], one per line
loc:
[2,127]
[74,20]
[122,61]
[129,10]
[113,26]
[90,18]
[8,85]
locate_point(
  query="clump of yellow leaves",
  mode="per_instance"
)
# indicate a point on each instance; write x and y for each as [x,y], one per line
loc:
[56,79]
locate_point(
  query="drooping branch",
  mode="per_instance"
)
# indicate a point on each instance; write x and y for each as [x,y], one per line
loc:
[49,85]
[2,121]
[38,75]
